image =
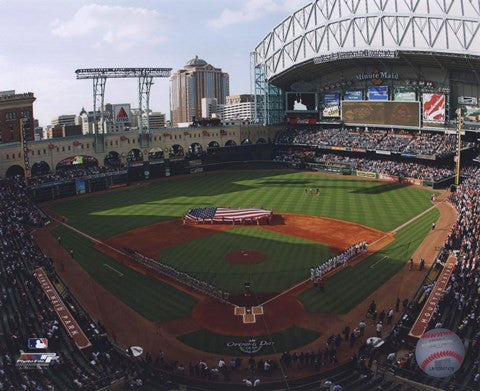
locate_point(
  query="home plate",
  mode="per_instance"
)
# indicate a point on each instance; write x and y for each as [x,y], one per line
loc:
[248,314]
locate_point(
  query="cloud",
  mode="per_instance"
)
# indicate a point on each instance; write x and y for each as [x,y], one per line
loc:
[114,26]
[56,92]
[253,10]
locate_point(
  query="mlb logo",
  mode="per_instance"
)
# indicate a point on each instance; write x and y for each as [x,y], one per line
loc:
[38,343]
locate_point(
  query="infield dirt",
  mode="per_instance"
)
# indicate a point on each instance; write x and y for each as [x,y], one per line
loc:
[152,239]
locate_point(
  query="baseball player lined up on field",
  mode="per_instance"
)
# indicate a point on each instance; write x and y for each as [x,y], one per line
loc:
[182,277]
[312,191]
[340,259]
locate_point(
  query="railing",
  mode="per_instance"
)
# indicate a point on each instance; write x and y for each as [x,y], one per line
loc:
[418,380]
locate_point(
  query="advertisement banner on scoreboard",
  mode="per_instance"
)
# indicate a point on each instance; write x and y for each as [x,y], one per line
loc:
[331,105]
[433,107]
[353,95]
[378,93]
[404,94]
[472,113]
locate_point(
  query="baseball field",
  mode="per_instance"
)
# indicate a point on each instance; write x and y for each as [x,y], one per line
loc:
[307,230]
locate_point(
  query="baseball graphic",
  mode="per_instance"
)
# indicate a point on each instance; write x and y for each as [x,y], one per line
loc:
[440,353]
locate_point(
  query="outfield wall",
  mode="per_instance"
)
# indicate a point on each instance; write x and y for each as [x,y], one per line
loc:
[55,190]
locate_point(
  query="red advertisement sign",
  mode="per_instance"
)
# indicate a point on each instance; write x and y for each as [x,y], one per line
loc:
[307,119]
[386,177]
[412,181]
[434,107]
[428,310]
[68,321]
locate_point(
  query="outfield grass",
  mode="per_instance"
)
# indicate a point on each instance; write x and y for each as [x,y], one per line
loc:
[349,288]
[148,296]
[383,206]
[290,339]
[288,259]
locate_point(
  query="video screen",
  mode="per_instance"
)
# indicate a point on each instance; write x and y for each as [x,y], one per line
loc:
[381,113]
[301,101]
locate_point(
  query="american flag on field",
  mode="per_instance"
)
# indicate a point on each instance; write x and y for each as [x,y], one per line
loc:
[226,214]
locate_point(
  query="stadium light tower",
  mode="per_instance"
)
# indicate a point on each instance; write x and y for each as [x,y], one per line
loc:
[145,80]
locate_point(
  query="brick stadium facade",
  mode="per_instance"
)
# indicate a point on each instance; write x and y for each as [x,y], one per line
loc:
[53,151]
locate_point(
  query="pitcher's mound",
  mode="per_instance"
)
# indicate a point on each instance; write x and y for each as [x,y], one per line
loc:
[245,257]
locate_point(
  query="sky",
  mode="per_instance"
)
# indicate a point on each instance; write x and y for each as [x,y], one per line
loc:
[43,42]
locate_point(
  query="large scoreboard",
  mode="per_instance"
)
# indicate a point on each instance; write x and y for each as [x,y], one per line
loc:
[381,113]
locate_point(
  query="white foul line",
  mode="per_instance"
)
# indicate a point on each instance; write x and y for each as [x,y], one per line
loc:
[380,260]
[111,248]
[112,268]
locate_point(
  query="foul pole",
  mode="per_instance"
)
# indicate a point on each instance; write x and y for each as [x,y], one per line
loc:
[459,139]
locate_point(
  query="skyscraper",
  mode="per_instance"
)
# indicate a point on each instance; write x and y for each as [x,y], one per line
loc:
[189,85]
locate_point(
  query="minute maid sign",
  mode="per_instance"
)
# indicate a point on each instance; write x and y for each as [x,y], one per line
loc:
[121,113]
[377,76]
[250,346]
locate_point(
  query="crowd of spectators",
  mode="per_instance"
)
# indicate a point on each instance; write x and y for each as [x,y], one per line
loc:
[68,173]
[449,143]
[294,157]
[396,142]
[429,144]
[177,275]
[28,313]
[390,167]
[459,308]
[404,169]
[399,141]
[356,139]
[303,137]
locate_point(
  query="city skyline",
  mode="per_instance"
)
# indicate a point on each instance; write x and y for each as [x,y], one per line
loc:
[41,50]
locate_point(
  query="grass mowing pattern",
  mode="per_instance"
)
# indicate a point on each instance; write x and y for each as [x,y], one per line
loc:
[383,206]
[148,296]
[286,340]
[350,287]
[288,259]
